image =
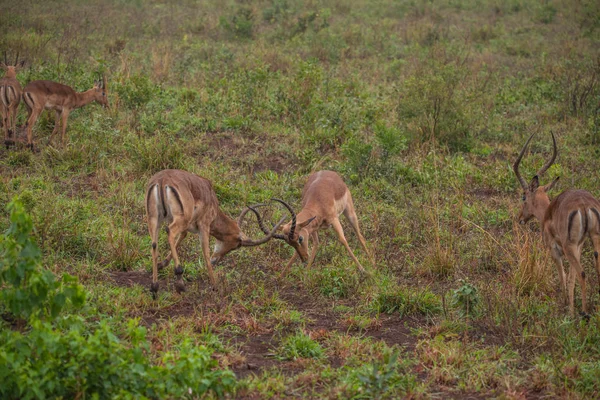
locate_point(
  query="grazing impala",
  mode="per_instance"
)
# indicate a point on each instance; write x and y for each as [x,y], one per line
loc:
[188,203]
[565,221]
[40,95]
[10,97]
[324,197]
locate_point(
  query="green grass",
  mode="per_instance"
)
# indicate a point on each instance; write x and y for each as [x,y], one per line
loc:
[421,106]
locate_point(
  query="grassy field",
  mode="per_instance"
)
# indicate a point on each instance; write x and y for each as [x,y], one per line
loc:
[421,106]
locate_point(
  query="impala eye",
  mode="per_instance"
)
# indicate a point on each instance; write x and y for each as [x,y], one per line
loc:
[300,239]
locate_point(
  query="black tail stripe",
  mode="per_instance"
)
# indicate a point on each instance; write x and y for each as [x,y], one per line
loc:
[597,215]
[30,102]
[5,96]
[571,216]
[177,196]
[584,216]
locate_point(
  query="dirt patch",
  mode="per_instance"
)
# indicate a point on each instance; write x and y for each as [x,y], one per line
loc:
[131,278]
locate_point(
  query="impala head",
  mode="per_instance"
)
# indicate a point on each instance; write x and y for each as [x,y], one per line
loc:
[235,238]
[11,69]
[101,92]
[535,197]
[295,233]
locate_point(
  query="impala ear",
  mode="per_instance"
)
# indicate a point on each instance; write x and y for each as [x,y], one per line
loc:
[549,186]
[535,183]
[305,223]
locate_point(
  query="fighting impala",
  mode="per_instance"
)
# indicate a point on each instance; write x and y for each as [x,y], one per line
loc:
[324,198]
[188,203]
[40,95]
[565,223]
[10,97]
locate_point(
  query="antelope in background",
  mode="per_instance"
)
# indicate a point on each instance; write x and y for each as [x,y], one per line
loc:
[188,203]
[325,196]
[10,97]
[40,95]
[565,221]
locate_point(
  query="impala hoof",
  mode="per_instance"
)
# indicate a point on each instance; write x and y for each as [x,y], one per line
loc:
[161,265]
[154,289]
[179,287]
[585,316]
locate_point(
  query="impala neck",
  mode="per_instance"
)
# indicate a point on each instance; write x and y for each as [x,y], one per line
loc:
[11,73]
[542,204]
[84,98]
[223,226]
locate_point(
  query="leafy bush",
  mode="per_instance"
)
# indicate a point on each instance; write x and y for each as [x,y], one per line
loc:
[50,361]
[28,290]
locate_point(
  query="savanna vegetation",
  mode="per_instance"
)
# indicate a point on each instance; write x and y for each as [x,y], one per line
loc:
[422,106]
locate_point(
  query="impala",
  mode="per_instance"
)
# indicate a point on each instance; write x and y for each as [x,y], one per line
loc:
[40,95]
[324,198]
[188,203]
[10,97]
[565,223]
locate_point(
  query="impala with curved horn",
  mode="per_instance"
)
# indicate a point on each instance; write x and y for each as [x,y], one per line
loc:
[324,198]
[10,97]
[40,95]
[565,223]
[188,203]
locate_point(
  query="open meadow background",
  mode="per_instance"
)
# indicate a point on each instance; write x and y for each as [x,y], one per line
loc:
[421,106]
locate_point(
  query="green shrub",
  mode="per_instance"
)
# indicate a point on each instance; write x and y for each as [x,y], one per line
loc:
[53,363]
[27,289]
[466,299]
[408,302]
[67,360]
[299,345]
[381,379]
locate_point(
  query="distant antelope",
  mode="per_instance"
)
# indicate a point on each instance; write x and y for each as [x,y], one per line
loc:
[10,97]
[188,203]
[565,221]
[40,95]
[325,196]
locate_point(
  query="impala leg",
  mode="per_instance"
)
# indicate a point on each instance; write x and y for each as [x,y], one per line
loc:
[576,272]
[315,237]
[353,219]
[175,229]
[64,118]
[56,125]
[153,226]
[557,255]
[5,126]
[34,114]
[289,264]
[205,238]
[165,263]
[337,226]
[154,222]
[596,242]
[13,121]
